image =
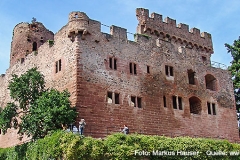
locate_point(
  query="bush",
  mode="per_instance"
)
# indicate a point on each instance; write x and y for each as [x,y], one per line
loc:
[67,145]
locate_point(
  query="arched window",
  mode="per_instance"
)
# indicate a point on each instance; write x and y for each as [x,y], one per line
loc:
[195,105]
[211,82]
[34,46]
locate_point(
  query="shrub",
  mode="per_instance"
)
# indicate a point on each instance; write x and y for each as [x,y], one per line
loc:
[67,145]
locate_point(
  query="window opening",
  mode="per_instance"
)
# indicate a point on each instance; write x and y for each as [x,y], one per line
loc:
[22,60]
[191,76]
[34,46]
[164,101]
[115,63]
[133,101]
[58,66]
[204,59]
[174,102]
[116,98]
[130,67]
[213,109]
[148,69]
[109,97]
[169,70]
[177,102]
[195,105]
[211,82]
[133,68]
[209,107]
[180,103]
[139,102]
[110,63]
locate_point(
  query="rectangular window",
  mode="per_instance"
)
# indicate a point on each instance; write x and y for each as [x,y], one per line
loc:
[168,70]
[130,67]
[109,97]
[133,68]
[116,98]
[148,69]
[180,103]
[171,71]
[164,102]
[174,99]
[58,66]
[213,109]
[133,101]
[139,102]
[177,102]
[110,63]
[113,63]
[113,98]
[136,101]
[209,107]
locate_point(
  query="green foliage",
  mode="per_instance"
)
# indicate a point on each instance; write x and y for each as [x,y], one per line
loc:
[26,88]
[67,145]
[50,42]
[8,117]
[235,68]
[39,111]
[50,112]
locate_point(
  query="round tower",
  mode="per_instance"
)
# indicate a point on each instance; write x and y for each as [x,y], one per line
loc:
[27,38]
[78,23]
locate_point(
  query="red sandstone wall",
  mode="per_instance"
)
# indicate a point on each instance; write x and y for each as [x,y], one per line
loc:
[84,52]
[96,78]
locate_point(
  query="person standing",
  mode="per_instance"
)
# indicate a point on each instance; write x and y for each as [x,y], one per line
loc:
[125,129]
[82,124]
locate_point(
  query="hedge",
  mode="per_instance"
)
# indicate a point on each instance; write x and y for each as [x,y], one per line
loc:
[66,145]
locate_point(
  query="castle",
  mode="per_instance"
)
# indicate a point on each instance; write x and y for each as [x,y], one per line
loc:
[162,83]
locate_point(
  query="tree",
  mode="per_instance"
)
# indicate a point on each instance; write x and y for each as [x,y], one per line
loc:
[35,111]
[235,69]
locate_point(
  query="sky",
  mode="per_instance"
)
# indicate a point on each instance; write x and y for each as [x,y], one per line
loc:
[219,18]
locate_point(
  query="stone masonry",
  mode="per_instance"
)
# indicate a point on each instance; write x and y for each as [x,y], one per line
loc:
[162,83]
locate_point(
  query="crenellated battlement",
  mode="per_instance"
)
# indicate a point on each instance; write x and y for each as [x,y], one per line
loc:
[167,28]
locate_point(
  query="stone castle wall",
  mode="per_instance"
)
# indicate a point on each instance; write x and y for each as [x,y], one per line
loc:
[104,93]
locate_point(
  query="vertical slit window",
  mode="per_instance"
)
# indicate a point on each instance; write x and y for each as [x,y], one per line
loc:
[171,71]
[213,109]
[148,69]
[164,101]
[115,64]
[135,69]
[110,63]
[34,46]
[166,70]
[139,101]
[209,108]
[130,67]
[116,98]
[58,66]
[133,101]
[174,99]
[180,103]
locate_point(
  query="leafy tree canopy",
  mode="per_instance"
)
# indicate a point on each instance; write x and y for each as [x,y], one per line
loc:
[235,69]
[35,111]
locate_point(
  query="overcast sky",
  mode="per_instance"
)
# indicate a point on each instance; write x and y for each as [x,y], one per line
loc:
[220,18]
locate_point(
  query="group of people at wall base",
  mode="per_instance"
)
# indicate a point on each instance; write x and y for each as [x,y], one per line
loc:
[82,125]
